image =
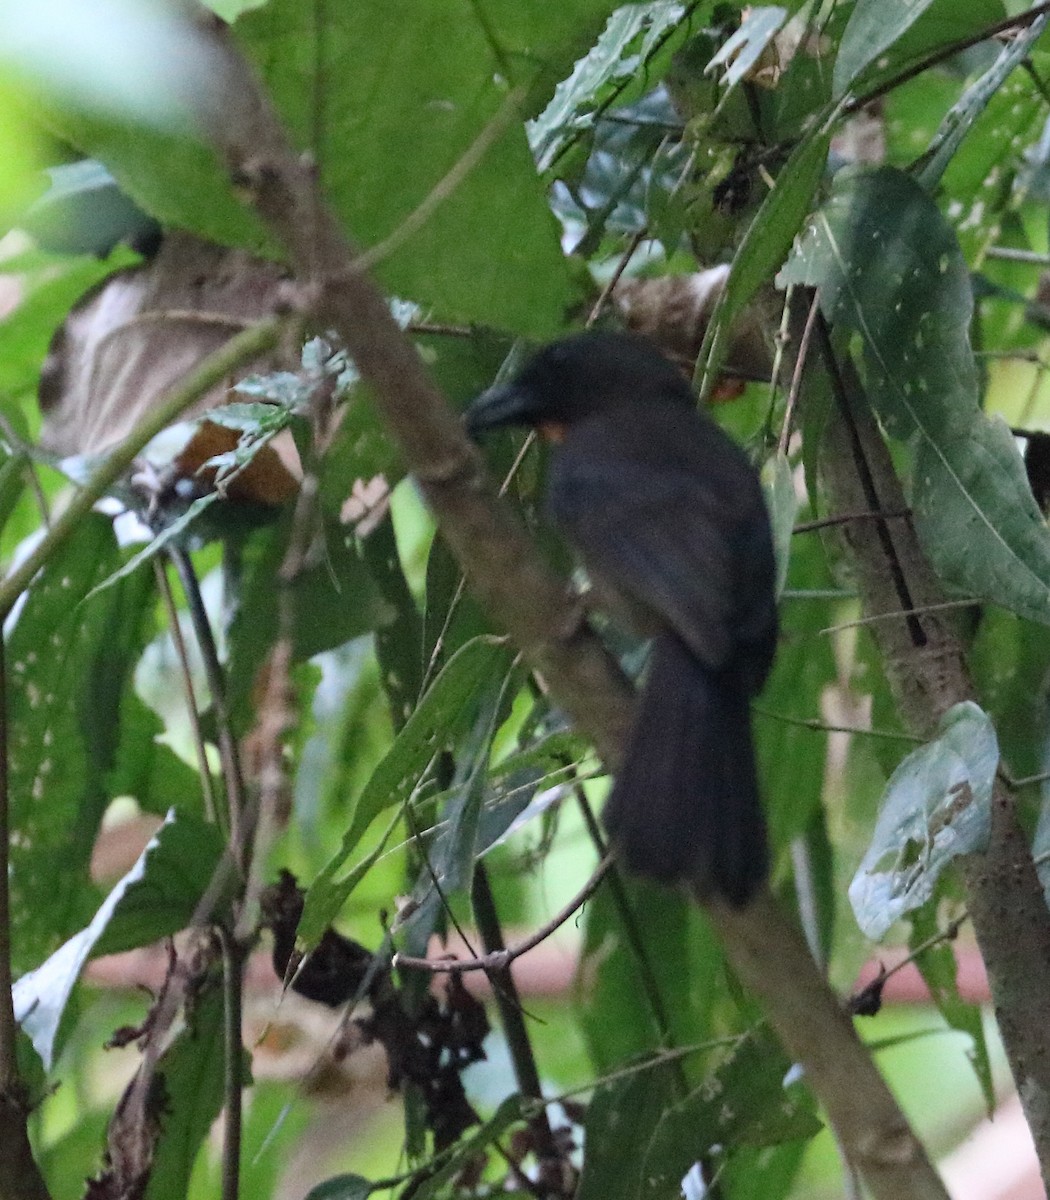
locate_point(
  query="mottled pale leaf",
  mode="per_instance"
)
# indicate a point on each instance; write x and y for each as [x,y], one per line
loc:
[937,806]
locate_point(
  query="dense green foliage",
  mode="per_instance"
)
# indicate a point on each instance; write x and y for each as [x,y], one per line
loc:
[404,760]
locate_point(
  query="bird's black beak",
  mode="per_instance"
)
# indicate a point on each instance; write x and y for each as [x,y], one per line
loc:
[504,404]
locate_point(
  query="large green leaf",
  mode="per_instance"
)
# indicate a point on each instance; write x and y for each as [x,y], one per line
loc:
[889,269]
[626,1000]
[960,120]
[387,115]
[621,1119]
[156,898]
[69,662]
[332,600]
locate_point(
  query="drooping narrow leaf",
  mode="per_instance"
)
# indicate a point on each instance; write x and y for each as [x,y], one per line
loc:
[445,712]
[765,245]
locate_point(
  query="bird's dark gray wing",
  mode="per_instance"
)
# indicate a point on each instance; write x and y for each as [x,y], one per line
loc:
[659,511]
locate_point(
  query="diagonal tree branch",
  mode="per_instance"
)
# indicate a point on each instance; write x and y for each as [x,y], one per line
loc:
[514,584]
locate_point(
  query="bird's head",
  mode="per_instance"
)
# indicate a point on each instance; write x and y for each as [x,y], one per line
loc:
[578,377]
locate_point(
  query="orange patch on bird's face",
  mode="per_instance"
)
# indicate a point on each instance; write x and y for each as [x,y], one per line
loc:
[552,431]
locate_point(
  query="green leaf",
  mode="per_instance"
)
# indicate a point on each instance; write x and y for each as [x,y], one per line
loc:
[793,757]
[745,1102]
[873,27]
[341,1187]
[960,120]
[445,713]
[981,179]
[746,45]
[681,957]
[621,1119]
[148,769]
[84,212]
[509,1112]
[399,642]
[938,805]
[889,269]
[766,244]
[613,57]
[70,661]
[170,533]
[939,969]
[782,501]
[403,117]
[161,893]
[155,898]
[190,1072]
[333,599]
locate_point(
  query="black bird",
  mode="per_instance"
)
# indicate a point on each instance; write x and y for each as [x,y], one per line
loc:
[667,514]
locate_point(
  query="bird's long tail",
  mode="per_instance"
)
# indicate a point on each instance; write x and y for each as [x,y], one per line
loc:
[685,805]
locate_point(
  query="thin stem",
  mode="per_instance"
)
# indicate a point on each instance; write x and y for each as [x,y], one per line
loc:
[603,299]
[8,1061]
[917,611]
[849,518]
[824,727]
[505,992]
[232,984]
[182,654]
[233,777]
[499,960]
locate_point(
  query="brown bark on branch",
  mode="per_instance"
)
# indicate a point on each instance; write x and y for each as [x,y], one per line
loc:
[926,665]
[518,589]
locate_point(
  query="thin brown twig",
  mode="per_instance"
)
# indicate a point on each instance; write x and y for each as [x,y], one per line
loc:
[823,727]
[499,960]
[797,372]
[603,296]
[948,934]
[848,518]
[917,611]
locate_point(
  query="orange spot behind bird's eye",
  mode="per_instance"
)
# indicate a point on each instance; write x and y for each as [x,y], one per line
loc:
[552,431]
[728,389]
